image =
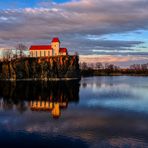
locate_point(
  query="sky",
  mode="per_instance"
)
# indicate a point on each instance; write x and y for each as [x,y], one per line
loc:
[99,30]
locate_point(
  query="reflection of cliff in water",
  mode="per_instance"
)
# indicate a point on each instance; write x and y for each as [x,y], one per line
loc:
[38,96]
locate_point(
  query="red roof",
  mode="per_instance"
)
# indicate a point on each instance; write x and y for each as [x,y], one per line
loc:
[63,50]
[40,47]
[55,40]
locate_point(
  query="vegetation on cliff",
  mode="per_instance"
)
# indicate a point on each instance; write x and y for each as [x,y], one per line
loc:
[40,68]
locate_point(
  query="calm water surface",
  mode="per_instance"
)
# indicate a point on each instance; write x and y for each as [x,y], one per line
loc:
[94,112]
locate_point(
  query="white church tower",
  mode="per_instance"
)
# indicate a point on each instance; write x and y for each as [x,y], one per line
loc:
[55,45]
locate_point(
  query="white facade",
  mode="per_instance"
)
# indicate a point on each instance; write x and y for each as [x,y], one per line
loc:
[47,50]
[56,47]
[41,53]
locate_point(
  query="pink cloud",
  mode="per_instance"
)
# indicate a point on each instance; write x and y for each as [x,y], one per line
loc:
[119,60]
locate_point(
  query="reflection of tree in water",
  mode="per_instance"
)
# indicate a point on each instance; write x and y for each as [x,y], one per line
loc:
[38,95]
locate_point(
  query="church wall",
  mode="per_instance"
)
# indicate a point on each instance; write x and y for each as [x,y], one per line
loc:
[55,46]
[38,53]
[41,53]
[63,53]
[34,53]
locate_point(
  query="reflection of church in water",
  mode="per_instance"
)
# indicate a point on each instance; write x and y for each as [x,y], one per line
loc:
[53,107]
[51,97]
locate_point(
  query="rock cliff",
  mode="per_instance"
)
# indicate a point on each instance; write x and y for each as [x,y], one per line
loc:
[59,67]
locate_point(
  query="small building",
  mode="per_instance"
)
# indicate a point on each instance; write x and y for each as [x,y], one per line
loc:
[53,49]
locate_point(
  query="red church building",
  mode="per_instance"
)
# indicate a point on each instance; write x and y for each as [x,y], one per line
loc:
[48,50]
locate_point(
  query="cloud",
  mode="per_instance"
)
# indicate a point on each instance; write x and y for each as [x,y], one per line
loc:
[118,60]
[73,22]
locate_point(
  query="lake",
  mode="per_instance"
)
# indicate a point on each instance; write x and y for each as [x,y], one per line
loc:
[94,112]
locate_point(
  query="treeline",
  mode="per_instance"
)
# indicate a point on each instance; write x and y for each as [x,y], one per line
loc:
[19,51]
[100,69]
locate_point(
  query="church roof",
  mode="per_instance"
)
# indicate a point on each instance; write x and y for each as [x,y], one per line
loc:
[63,50]
[40,47]
[55,40]
[48,47]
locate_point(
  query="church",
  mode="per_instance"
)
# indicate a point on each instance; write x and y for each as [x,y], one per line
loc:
[53,49]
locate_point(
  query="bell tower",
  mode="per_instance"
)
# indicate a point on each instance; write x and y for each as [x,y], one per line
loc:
[55,45]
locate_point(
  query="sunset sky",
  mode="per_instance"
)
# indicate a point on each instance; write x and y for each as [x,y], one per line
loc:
[113,31]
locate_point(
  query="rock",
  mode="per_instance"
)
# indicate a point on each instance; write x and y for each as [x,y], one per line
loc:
[40,68]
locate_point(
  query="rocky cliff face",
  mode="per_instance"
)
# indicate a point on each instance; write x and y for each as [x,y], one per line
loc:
[40,68]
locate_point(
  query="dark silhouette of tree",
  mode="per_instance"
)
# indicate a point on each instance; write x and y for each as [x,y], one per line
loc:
[92,66]
[20,48]
[84,66]
[99,66]
[7,54]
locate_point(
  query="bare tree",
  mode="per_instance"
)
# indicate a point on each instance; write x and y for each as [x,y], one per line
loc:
[20,48]
[111,68]
[92,65]
[99,65]
[84,66]
[144,67]
[135,67]
[7,54]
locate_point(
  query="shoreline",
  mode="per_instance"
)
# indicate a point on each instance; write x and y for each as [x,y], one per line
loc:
[72,79]
[117,75]
[36,79]
[96,73]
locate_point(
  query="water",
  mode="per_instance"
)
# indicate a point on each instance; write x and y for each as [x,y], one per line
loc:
[94,112]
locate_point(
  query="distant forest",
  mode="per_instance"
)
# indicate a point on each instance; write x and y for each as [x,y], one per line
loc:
[100,69]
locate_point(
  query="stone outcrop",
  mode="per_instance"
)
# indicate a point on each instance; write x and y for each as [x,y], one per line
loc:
[59,67]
